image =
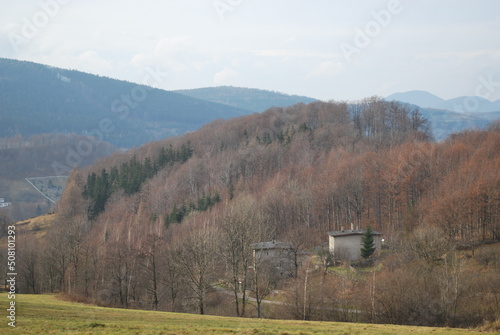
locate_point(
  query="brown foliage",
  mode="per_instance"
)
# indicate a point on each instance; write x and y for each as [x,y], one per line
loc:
[303,171]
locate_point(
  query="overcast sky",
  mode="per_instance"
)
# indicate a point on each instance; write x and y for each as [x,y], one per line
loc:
[326,49]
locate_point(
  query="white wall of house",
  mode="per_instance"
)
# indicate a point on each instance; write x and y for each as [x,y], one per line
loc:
[348,247]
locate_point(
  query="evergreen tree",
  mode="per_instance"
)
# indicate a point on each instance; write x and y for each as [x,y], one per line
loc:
[368,244]
[175,216]
[217,198]
[202,205]
[38,210]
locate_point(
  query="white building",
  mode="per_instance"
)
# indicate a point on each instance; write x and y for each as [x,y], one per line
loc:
[347,244]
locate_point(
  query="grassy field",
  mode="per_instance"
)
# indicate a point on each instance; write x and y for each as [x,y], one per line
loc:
[46,314]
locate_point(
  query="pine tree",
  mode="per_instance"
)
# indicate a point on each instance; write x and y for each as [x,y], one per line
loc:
[368,244]
[217,198]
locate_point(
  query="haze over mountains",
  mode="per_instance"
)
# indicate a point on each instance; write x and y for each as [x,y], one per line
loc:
[453,115]
[464,104]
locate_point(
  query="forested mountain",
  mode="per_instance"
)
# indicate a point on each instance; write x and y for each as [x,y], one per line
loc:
[39,99]
[251,99]
[170,225]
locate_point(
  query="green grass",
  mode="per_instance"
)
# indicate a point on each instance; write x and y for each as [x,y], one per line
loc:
[46,314]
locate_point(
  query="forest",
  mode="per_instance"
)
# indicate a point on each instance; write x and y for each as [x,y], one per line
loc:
[291,174]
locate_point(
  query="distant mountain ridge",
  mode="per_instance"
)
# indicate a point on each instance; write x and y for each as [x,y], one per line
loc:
[464,104]
[451,116]
[252,99]
[39,99]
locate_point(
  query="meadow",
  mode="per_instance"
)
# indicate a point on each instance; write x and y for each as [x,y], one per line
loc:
[48,314]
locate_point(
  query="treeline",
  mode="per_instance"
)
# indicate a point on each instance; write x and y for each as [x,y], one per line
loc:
[129,177]
[292,174]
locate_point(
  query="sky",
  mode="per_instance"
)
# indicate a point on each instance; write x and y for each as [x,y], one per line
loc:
[325,49]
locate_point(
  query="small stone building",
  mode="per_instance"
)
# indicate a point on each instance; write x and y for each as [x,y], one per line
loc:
[275,254]
[345,245]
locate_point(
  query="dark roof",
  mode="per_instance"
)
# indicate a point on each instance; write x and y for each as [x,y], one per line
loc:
[350,232]
[272,245]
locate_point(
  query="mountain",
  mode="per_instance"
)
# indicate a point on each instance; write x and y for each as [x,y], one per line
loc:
[472,105]
[451,116]
[462,104]
[419,98]
[444,122]
[252,99]
[40,99]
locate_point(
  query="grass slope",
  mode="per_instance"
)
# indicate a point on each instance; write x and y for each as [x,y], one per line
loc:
[37,226]
[46,314]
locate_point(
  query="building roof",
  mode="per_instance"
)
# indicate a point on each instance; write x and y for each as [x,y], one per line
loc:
[271,245]
[339,233]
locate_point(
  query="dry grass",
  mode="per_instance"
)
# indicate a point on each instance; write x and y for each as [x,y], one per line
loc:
[47,314]
[37,226]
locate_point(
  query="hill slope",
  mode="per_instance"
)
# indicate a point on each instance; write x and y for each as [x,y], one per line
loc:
[148,218]
[254,100]
[40,99]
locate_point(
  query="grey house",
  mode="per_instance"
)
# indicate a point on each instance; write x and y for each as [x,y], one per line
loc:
[346,244]
[276,255]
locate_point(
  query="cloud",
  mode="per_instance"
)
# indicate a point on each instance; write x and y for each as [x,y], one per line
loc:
[460,55]
[296,54]
[260,65]
[326,69]
[91,61]
[176,54]
[225,76]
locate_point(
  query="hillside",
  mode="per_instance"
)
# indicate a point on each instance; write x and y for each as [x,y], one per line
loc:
[39,99]
[170,224]
[254,100]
